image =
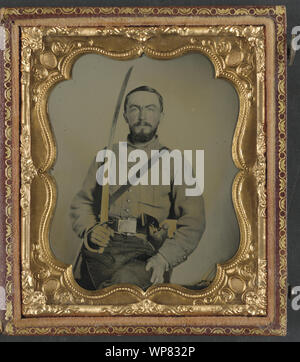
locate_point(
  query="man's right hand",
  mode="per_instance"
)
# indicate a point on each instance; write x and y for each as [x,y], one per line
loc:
[100,235]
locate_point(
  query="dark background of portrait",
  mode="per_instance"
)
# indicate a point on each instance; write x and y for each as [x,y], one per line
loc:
[293,16]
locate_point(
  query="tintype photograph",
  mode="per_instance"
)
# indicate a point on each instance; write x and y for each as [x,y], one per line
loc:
[176,106]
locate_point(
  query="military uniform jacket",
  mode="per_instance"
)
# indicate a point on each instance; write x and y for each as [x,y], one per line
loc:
[154,200]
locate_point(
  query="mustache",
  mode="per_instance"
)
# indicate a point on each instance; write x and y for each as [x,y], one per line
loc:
[142,123]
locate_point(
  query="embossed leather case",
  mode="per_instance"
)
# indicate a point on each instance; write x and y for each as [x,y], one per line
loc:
[247,47]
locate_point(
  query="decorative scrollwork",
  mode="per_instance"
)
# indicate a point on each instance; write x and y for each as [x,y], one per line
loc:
[245,69]
[35,302]
[237,53]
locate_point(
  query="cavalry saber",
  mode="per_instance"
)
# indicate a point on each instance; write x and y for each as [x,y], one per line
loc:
[105,188]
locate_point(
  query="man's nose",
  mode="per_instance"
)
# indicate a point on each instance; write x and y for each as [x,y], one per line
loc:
[142,114]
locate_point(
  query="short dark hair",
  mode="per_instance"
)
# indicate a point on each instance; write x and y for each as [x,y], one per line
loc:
[145,88]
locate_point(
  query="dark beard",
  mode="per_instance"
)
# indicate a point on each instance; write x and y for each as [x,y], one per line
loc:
[142,137]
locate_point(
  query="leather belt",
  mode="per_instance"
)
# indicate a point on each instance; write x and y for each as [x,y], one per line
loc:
[127,226]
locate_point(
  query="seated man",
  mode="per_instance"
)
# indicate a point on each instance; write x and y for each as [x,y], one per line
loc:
[135,246]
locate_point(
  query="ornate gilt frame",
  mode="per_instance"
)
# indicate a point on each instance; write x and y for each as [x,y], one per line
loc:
[247,295]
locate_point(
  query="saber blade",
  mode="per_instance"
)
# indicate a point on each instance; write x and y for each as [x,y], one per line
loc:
[105,188]
[118,106]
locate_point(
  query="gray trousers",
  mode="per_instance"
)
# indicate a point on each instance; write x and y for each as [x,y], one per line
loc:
[123,261]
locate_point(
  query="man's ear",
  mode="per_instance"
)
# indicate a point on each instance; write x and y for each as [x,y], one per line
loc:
[162,116]
[125,117]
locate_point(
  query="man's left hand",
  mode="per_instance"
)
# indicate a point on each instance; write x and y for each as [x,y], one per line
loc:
[159,265]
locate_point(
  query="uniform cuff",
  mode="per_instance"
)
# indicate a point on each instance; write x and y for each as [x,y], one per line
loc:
[173,254]
[164,260]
